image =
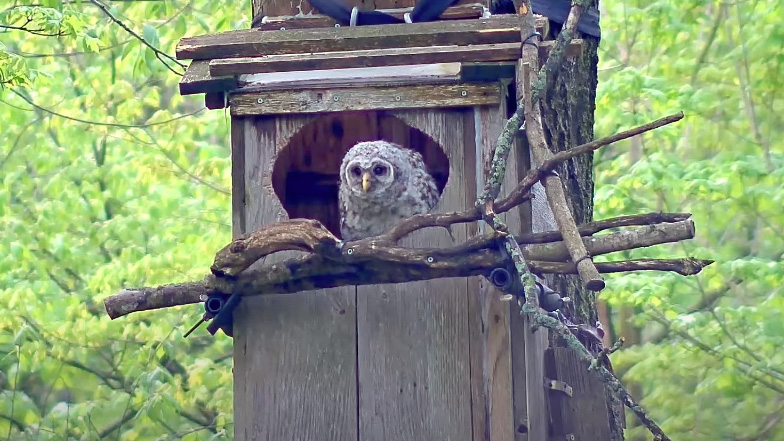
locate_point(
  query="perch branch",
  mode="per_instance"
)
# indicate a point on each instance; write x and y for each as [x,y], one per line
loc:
[290,235]
[520,193]
[370,264]
[244,252]
[553,186]
[554,190]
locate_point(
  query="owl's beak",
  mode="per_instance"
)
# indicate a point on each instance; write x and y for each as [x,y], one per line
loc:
[365,181]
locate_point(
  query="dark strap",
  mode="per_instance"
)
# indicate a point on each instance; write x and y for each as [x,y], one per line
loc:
[429,10]
[425,10]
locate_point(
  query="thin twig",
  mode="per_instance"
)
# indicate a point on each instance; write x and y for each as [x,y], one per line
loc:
[159,54]
[604,375]
[99,123]
[541,152]
[521,191]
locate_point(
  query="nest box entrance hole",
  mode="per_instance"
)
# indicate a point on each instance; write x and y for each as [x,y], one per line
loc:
[305,176]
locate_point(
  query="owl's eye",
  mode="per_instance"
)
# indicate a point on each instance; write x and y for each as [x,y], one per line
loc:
[356,171]
[379,170]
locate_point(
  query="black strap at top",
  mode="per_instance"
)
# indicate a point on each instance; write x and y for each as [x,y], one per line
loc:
[425,10]
[429,10]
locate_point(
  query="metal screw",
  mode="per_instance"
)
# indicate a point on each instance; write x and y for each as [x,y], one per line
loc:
[282,28]
[463,93]
[430,259]
[397,98]
[260,100]
[337,25]
[335,98]
[350,251]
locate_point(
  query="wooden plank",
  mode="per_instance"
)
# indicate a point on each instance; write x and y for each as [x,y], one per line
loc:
[365,58]
[288,22]
[197,79]
[364,98]
[294,356]
[582,414]
[250,43]
[380,57]
[495,314]
[518,325]
[364,76]
[536,400]
[476,322]
[413,354]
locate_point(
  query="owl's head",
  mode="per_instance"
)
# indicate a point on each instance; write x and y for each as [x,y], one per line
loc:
[370,168]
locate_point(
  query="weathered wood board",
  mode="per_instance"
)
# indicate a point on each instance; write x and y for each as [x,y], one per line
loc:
[294,355]
[250,43]
[424,360]
[356,98]
[414,372]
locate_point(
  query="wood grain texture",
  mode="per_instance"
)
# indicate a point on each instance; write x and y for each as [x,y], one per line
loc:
[364,98]
[197,79]
[495,314]
[353,77]
[413,354]
[365,58]
[251,43]
[518,324]
[582,414]
[294,356]
[459,12]
[378,57]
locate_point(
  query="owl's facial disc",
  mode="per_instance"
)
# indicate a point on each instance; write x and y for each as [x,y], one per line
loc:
[370,176]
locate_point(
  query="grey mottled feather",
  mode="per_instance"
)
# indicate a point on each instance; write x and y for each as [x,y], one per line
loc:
[413,191]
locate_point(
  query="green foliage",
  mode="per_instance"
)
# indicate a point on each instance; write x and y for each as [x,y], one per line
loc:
[110,179]
[708,364]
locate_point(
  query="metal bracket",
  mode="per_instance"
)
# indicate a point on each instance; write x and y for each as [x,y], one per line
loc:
[558,385]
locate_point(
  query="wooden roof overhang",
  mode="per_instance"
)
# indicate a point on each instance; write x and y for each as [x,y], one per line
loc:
[311,64]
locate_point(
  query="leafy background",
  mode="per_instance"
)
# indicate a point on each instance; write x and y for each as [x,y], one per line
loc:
[111,179]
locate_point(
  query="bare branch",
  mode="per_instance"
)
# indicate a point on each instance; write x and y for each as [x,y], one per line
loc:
[363,262]
[160,55]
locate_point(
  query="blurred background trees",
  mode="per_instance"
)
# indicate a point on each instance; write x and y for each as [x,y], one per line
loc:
[703,352]
[110,178]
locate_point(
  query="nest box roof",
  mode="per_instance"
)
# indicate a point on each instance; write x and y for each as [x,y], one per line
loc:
[464,48]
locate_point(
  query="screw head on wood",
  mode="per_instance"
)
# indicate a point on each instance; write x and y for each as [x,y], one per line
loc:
[430,259]
[397,98]
[335,98]
[260,100]
[350,251]
[337,25]
[282,28]
[463,93]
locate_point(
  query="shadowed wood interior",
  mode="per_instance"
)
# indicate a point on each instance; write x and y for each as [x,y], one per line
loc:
[305,175]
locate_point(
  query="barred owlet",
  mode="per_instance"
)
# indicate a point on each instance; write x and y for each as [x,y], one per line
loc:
[382,183]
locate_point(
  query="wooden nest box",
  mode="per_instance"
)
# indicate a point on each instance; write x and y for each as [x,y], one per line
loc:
[432,360]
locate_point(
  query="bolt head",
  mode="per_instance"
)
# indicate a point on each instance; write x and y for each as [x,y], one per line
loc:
[260,100]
